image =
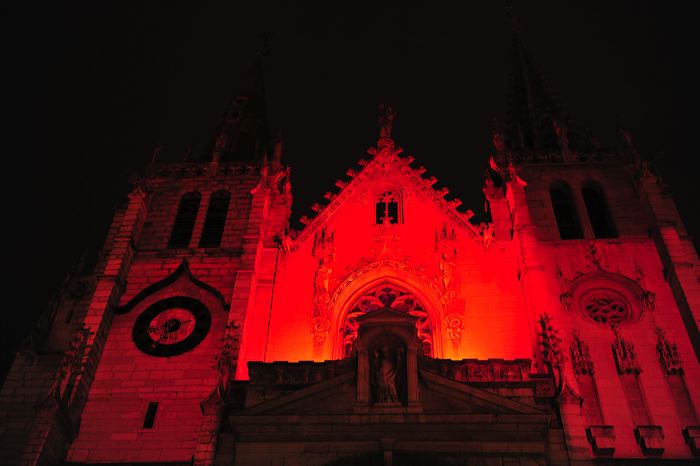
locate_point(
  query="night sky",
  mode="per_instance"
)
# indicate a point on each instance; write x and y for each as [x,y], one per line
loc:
[95,86]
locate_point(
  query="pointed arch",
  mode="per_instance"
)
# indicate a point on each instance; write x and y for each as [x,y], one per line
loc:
[373,276]
[215,221]
[598,211]
[183,226]
[565,210]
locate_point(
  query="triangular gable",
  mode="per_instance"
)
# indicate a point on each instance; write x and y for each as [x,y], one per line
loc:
[340,391]
[386,154]
[302,397]
[470,395]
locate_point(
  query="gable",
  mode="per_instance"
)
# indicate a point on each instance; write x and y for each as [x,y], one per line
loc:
[386,171]
[439,395]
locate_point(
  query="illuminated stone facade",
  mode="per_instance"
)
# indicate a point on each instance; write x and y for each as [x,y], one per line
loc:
[389,330]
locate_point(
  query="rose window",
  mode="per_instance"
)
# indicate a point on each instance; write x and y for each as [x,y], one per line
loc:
[605,308]
[379,298]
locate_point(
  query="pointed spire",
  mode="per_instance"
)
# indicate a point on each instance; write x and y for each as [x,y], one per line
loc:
[243,134]
[156,154]
[534,114]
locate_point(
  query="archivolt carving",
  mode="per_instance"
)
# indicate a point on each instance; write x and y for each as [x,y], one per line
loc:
[367,265]
[382,296]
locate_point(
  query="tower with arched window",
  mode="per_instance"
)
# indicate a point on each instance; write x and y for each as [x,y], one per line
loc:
[388,327]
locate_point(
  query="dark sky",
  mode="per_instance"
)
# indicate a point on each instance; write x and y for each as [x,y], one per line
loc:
[94,86]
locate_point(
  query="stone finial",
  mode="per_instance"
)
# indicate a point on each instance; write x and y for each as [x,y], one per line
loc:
[593,256]
[225,360]
[625,356]
[580,356]
[386,121]
[565,297]
[551,349]
[669,358]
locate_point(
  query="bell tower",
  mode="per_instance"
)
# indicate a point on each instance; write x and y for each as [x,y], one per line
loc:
[154,335]
[391,328]
[600,244]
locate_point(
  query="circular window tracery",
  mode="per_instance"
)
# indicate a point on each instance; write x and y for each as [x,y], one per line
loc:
[387,296]
[606,307]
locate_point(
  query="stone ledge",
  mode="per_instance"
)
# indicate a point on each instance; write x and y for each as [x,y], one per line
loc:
[650,439]
[602,439]
[692,438]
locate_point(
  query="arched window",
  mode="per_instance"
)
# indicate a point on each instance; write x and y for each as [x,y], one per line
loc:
[387,208]
[184,220]
[598,213]
[216,220]
[565,211]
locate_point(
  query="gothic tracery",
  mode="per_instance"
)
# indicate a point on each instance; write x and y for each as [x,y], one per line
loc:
[387,295]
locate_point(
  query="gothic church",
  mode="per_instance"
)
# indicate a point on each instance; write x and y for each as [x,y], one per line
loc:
[391,329]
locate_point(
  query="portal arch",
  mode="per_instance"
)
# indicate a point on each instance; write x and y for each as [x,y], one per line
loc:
[380,285]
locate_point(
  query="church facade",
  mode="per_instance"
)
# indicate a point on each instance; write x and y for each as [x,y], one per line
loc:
[391,328]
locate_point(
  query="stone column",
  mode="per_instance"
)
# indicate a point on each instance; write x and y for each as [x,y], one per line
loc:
[412,375]
[362,377]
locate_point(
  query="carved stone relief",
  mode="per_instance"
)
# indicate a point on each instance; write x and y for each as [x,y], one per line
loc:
[669,359]
[391,296]
[580,356]
[625,356]
[324,250]
[605,297]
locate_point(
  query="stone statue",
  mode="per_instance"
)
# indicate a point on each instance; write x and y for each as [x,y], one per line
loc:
[386,121]
[322,278]
[385,370]
[487,234]
[324,250]
[448,270]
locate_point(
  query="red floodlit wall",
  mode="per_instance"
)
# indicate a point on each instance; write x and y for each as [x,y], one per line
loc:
[127,380]
[482,297]
[633,267]
[488,293]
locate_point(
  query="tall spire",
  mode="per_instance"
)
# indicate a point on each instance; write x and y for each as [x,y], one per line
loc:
[244,134]
[535,120]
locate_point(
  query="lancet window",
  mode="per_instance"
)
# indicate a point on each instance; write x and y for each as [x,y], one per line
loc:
[216,220]
[184,220]
[565,211]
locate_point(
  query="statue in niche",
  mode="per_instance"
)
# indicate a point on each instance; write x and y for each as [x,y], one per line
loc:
[448,269]
[323,277]
[324,250]
[385,377]
[487,235]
